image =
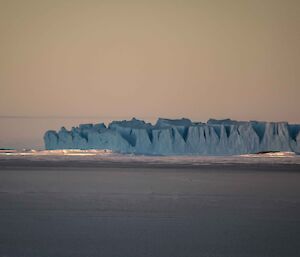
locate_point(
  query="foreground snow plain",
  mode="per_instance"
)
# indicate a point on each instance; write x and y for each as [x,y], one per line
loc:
[91,203]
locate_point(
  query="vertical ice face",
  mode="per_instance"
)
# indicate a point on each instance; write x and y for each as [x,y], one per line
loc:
[51,140]
[179,137]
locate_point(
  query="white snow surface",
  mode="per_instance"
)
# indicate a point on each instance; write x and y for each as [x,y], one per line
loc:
[109,156]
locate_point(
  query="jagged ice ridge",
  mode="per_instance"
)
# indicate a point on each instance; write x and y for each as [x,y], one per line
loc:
[179,137]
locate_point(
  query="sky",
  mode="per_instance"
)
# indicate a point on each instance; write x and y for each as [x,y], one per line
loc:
[197,59]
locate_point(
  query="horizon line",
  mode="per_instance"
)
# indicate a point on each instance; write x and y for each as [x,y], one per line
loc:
[130,117]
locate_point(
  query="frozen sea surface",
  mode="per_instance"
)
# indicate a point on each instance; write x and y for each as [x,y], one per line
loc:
[103,204]
[101,157]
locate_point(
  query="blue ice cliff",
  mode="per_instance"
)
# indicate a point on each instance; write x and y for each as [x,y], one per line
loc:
[179,137]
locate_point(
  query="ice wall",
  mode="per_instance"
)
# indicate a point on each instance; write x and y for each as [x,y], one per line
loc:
[179,137]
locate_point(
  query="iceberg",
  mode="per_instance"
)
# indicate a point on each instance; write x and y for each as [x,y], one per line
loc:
[179,137]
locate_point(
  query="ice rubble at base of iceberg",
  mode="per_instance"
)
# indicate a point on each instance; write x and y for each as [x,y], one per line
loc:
[179,137]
